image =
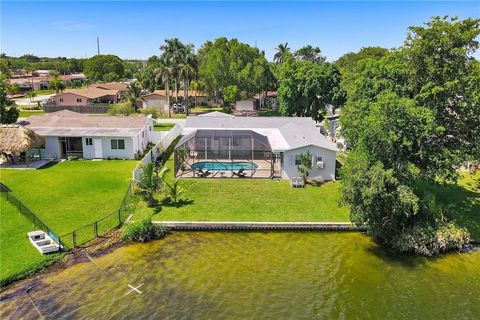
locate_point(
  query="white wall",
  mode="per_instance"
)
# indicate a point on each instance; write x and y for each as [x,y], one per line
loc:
[52,148]
[244,105]
[290,170]
[108,152]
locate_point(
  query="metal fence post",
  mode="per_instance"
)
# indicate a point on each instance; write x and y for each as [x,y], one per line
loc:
[74,238]
[95,229]
[119,216]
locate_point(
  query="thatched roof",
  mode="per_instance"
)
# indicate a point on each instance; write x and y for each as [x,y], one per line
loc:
[17,138]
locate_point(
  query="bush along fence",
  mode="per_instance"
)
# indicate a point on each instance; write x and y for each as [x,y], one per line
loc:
[32,217]
[158,149]
[100,227]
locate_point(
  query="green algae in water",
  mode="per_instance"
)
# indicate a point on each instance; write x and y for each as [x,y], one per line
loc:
[259,276]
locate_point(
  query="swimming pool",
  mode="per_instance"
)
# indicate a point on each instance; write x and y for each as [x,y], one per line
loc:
[224,166]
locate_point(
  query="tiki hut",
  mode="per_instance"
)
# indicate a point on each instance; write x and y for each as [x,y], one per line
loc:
[18,139]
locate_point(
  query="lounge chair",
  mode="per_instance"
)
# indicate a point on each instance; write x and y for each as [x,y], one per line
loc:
[240,173]
[297,182]
[203,174]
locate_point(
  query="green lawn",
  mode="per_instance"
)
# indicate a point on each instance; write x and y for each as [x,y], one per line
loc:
[18,257]
[205,109]
[28,113]
[71,194]
[463,200]
[163,126]
[269,113]
[252,200]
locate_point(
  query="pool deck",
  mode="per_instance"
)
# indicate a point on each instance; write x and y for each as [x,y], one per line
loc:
[258,226]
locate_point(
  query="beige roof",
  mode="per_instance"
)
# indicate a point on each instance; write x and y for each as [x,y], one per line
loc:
[120,86]
[68,123]
[91,93]
[16,138]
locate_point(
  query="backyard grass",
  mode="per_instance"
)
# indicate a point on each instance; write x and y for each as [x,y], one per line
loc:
[28,113]
[251,200]
[71,194]
[205,109]
[163,126]
[18,258]
[269,113]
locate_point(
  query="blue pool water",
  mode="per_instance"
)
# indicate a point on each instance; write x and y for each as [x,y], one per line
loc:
[224,166]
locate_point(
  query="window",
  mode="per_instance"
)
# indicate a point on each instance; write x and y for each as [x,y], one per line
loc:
[61,99]
[88,141]
[297,159]
[79,100]
[118,144]
[319,159]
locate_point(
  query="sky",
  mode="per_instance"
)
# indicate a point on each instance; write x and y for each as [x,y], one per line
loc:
[135,29]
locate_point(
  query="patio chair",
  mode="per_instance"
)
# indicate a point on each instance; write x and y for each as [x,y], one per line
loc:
[297,182]
[203,174]
[240,173]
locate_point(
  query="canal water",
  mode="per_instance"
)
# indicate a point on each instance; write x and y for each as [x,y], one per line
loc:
[283,275]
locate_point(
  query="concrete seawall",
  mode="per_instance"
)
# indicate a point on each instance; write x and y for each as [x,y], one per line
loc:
[258,226]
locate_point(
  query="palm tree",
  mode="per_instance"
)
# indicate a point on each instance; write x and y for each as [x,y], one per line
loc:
[282,51]
[175,190]
[173,48]
[163,73]
[133,94]
[187,70]
[150,182]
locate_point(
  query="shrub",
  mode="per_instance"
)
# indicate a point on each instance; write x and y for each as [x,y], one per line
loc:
[143,230]
[124,108]
[150,111]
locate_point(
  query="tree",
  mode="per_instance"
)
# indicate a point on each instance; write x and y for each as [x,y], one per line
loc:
[305,88]
[104,68]
[147,76]
[175,190]
[282,52]
[309,53]
[163,73]
[31,95]
[150,182]
[305,165]
[56,83]
[224,63]
[410,119]
[11,114]
[352,60]
[230,95]
[173,48]
[13,88]
[187,70]
[134,94]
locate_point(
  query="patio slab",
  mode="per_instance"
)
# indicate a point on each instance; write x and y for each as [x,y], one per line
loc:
[31,165]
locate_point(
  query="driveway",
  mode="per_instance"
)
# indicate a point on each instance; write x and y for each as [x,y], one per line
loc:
[28,102]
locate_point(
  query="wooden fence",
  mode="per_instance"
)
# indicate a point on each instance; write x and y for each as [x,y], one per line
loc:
[79,109]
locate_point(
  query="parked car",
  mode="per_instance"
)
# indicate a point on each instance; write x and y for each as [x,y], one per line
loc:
[178,108]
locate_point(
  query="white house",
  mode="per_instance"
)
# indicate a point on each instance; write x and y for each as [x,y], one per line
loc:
[266,146]
[69,133]
[246,105]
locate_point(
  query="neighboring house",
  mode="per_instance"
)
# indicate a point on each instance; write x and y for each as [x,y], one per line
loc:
[156,100]
[121,87]
[41,83]
[68,133]
[267,100]
[270,145]
[202,98]
[85,97]
[246,105]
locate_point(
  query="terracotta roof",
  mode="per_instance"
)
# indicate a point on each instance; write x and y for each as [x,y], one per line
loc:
[91,93]
[69,123]
[120,86]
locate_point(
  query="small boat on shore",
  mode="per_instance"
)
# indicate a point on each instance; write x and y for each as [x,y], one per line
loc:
[43,242]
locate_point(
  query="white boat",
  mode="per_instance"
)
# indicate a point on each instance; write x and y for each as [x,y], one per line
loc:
[43,242]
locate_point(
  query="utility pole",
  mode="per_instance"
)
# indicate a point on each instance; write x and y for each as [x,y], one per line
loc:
[98,46]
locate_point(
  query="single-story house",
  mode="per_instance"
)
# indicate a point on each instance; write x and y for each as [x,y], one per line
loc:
[156,100]
[246,105]
[85,97]
[121,87]
[41,83]
[263,147]
[267,99]
[202,98]
[68,133]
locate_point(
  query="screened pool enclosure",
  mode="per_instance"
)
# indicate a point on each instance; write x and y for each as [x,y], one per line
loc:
[224,153]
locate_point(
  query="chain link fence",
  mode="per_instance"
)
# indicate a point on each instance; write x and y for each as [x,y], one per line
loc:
[100,227]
